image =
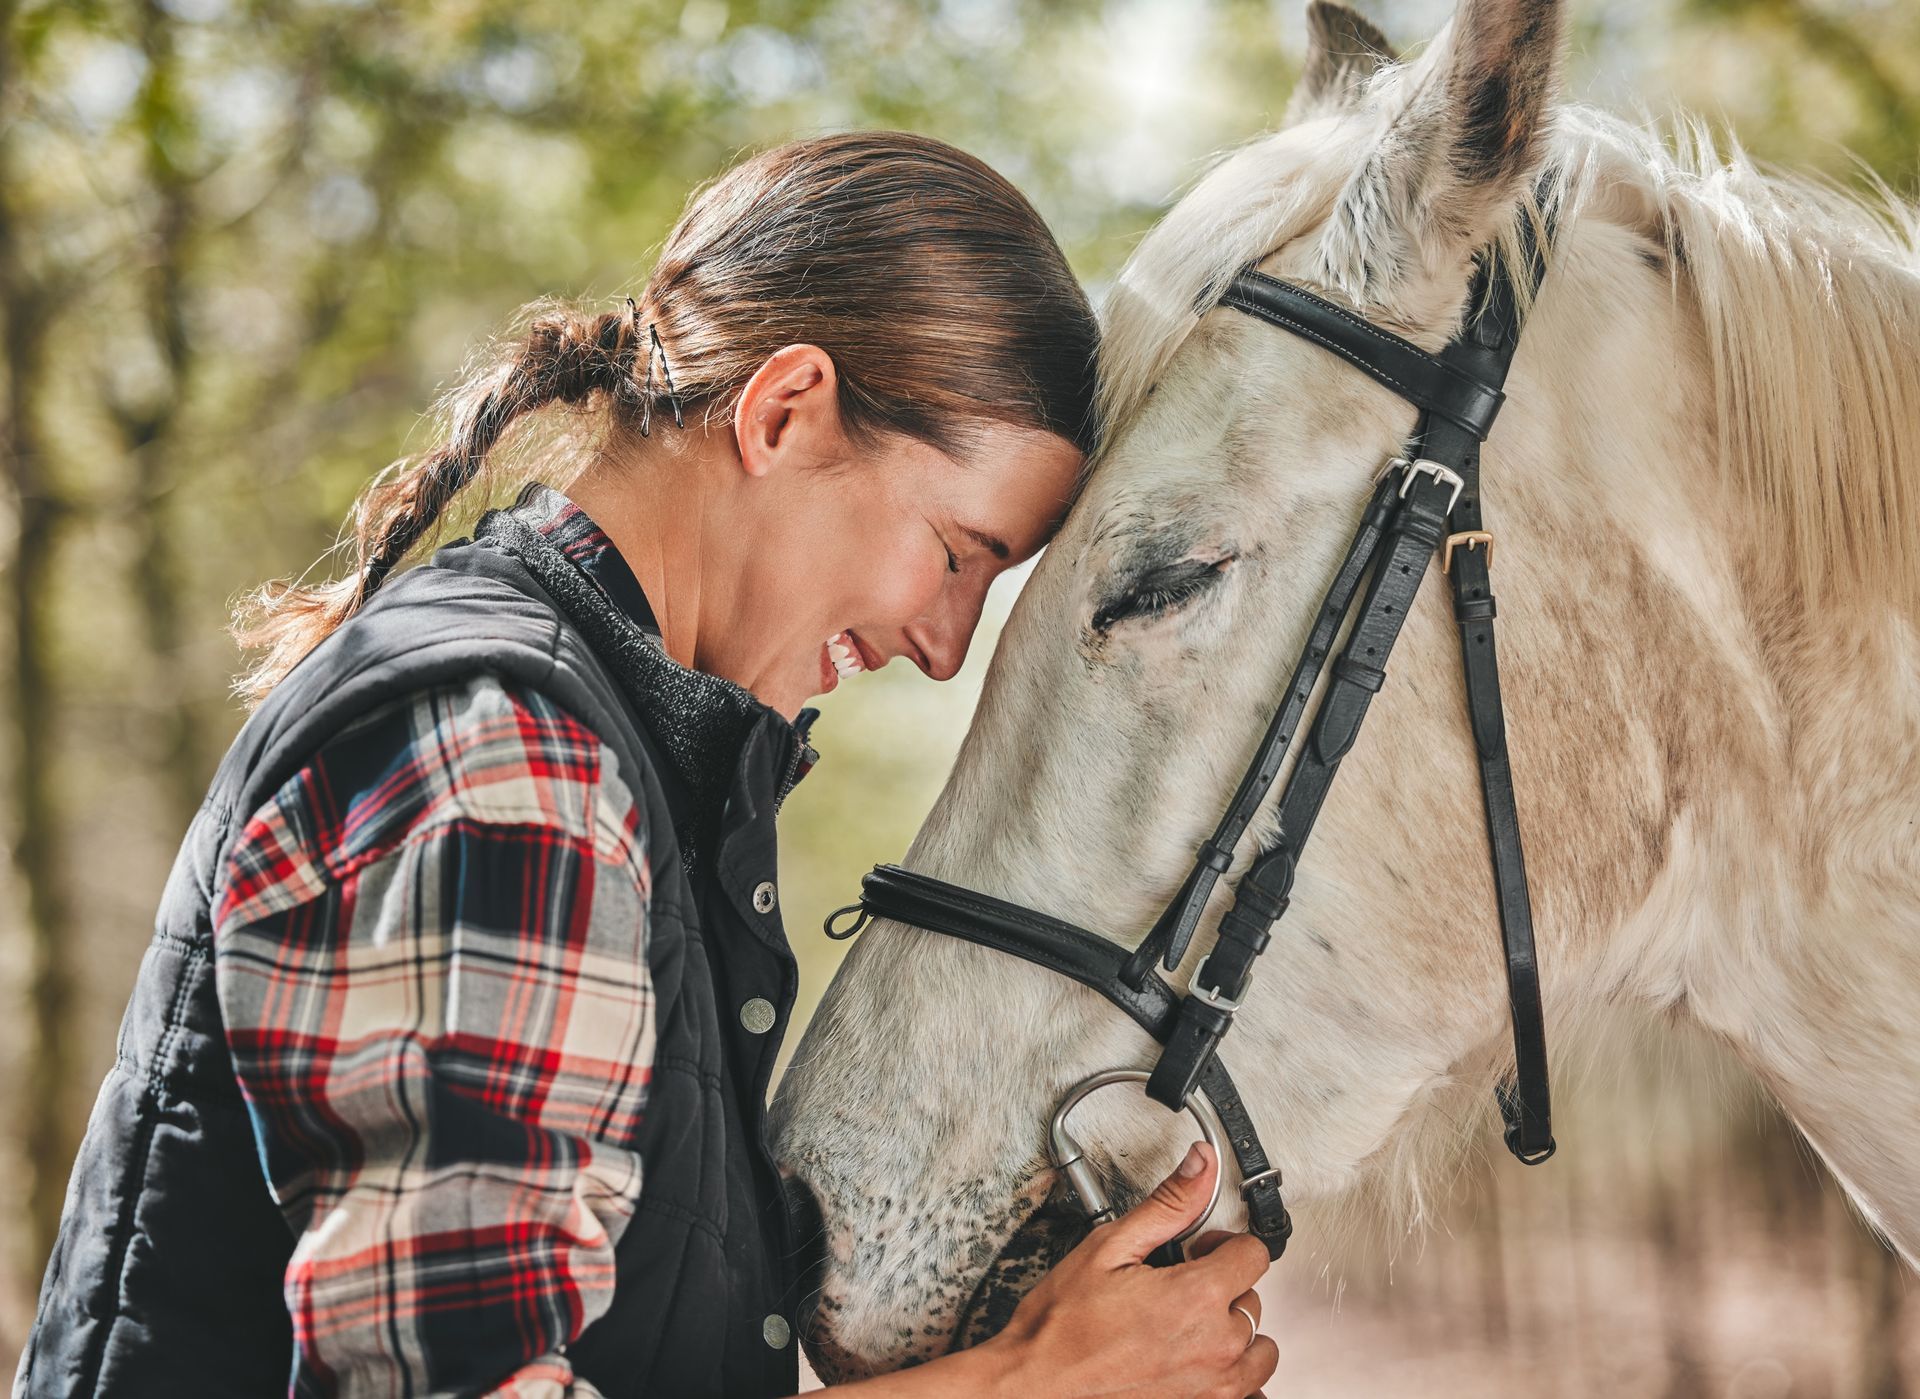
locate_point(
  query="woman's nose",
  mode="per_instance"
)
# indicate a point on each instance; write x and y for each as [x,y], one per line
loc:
[943,636]
[942,654]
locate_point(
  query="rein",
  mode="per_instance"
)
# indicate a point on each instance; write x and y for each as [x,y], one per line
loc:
[1424,501]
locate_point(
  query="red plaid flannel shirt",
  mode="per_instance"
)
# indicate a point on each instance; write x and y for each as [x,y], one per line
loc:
[431,955]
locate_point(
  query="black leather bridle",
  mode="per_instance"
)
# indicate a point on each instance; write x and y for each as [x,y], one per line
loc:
[1426,500]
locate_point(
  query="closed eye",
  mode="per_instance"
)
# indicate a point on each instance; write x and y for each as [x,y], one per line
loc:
[1159,591]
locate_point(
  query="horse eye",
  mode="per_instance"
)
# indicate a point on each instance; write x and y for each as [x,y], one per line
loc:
[1159,591]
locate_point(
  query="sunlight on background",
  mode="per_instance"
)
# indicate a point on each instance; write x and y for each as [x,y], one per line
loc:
[252,243]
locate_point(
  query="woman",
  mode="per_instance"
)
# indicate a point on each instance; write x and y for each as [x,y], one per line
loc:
[445,1071]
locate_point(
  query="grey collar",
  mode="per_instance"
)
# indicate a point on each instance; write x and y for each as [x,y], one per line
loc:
[699,722]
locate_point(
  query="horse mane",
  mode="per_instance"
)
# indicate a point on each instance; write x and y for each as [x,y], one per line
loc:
[1250,200]
[1807,296]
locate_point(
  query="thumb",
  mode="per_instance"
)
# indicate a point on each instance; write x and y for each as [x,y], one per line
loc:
[1174,1204]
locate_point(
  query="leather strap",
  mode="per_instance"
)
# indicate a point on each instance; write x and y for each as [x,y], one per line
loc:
[1525,1102]
[1173,931]
[924,902]
[1431,383]
[1267,1217]
[1261,896]
[921,901]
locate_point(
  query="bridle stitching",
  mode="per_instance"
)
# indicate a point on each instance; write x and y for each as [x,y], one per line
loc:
[1306,332]
[1358,322]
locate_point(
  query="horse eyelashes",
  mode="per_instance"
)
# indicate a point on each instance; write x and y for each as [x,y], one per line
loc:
[1159,591]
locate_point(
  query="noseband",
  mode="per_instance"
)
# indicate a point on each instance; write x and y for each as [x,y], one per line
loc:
[1426,500]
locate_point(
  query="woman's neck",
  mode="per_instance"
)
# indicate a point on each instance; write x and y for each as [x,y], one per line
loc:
[661,508]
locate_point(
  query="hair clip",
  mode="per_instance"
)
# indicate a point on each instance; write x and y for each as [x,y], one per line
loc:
[630,343]
[666,372]
[655,348]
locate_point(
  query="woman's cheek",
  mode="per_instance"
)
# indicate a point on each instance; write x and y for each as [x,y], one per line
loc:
[905,587]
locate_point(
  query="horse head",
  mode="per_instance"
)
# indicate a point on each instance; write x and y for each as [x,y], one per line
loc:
[1153,642]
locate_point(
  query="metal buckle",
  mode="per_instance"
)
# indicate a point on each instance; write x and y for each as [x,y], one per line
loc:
[1209,997]
[1468,538]
[1391,464]
[1257,1179]
[1445,475]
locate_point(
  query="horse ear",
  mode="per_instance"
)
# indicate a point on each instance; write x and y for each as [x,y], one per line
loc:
[1463,133]
[1343,51]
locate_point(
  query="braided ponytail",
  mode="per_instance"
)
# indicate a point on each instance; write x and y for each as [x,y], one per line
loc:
[934,285]
[562,358]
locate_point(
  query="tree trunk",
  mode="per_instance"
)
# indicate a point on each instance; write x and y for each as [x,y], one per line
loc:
[149,429]
[1682,1278]
[27,695]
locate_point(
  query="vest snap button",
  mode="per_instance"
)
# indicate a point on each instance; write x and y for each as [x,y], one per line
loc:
[757,1015]
[764,896]
[775,1331]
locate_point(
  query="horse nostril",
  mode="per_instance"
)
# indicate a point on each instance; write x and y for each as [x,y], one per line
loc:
[807,1230]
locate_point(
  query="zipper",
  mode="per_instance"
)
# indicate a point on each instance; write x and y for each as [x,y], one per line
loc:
[799,758]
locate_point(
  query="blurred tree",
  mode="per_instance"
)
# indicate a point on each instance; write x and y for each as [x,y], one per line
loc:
[1836,86]
[242,242]
[30,289]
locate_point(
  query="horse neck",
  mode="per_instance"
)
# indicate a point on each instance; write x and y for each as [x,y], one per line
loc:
[1718,770]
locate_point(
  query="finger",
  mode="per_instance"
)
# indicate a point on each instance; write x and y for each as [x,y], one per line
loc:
[1235,1265]
[1174,1205]
[1207,1243]
[1251,1301]
[1255,1367]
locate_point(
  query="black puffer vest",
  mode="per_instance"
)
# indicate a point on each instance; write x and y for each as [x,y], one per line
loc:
[166,1277]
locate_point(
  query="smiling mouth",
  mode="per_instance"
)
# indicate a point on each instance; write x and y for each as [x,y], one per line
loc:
[845,654]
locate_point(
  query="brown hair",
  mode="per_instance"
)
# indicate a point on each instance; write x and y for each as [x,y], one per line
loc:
[931,281]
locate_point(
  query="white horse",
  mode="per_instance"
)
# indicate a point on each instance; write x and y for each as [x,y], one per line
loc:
[1706,492]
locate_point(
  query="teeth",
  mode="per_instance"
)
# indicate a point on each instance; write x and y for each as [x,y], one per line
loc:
[846,660]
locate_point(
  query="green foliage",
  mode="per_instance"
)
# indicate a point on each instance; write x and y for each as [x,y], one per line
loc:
[243,244]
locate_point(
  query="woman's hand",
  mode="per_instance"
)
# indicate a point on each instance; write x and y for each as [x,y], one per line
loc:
[1104,1322]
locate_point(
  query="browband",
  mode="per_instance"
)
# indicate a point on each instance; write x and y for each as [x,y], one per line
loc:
[1426,381]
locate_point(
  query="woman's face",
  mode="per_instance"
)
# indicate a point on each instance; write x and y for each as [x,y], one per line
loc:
[907,546]
[892,555]
[867,550]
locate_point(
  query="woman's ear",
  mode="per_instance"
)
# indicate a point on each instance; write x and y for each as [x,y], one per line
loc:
[789,412]
[1344,51]
[1463,132]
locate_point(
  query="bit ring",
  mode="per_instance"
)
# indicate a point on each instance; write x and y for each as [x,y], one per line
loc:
[1067,1157]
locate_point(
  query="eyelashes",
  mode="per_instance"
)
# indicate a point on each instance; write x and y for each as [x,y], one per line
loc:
[1159,591]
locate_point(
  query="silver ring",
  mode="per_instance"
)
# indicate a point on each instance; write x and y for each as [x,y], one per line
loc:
[1253,1327]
